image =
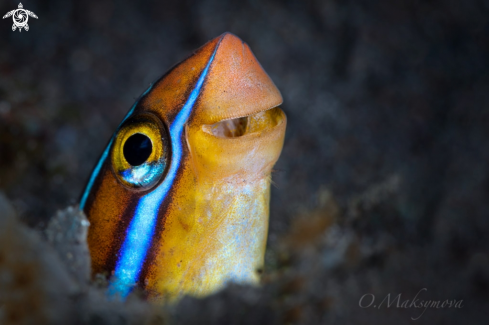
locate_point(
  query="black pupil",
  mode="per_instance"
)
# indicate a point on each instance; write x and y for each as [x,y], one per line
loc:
[137,149]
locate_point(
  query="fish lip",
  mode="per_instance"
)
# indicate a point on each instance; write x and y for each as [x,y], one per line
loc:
[249,83]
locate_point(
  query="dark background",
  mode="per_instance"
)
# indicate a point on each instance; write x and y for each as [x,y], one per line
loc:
[387,106]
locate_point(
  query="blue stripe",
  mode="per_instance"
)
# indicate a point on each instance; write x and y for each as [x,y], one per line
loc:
[101,161]
[141,229]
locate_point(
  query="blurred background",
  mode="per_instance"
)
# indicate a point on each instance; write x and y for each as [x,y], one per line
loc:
[388,111]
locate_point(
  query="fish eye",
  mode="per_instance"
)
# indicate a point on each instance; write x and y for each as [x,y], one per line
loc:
[140,152]
[137,149]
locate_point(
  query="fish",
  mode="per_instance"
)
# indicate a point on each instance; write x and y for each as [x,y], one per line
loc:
[178,203]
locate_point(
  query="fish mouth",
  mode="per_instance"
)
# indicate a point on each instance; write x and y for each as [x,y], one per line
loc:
[254,123]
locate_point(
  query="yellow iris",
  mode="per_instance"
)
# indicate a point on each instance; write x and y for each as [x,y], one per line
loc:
[149,172]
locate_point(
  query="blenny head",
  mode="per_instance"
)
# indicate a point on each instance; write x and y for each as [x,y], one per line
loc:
[179,201]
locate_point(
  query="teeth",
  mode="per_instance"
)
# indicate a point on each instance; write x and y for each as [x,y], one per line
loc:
[229,128]
[236,127]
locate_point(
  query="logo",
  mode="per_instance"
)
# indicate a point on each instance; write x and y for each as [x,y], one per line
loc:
[20,17]
[417,303]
